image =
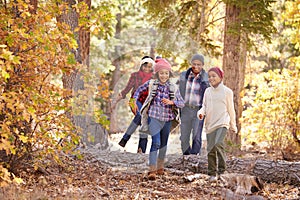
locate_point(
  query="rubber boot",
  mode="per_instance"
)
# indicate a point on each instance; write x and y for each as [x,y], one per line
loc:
[152,172]
[160,166]
[142,145]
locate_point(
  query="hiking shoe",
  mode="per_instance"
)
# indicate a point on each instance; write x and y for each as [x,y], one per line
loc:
[160,171]
[212,179]
[152,176]
[139,150]
[123,142]
[152,172]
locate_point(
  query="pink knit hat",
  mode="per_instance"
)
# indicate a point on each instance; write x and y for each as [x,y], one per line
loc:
[161,64]
[218,71]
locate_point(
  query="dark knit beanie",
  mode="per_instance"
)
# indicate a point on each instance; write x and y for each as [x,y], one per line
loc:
[198,57]
[218,71]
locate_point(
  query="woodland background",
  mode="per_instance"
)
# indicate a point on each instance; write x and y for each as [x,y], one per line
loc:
[64,61]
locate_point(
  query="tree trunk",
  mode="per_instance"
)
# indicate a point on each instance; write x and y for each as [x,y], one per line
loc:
[116,74]
[33,8]
[92,132]
[266,170]
[234,60]
[202,21]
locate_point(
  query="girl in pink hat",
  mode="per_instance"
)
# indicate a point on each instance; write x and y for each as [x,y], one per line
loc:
[218,109]
[157,114]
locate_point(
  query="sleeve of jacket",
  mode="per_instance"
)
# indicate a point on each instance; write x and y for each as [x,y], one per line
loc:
[181,84]
[178,101]
[231,111]
[129,85]
[202,111]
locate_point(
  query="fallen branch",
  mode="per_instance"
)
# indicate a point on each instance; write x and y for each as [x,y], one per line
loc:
[267,170]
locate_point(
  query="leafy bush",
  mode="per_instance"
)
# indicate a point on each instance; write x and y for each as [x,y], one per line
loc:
[34,53]
[272,114]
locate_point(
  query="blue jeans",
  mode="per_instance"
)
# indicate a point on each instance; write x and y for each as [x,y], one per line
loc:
[134,124]
[160,132]
[190,124]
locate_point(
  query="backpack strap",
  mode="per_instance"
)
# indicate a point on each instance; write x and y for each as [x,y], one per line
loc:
[153,85]
[172,91]
[150,93]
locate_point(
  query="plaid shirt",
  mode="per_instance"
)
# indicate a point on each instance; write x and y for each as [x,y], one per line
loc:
[192,94]
[133,83]
[157,109]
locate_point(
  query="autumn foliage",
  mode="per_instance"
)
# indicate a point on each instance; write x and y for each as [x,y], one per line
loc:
[272,100]
[34,52]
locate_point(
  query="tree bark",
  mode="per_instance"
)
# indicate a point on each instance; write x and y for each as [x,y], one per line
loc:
[92,132]
[234,60]
[267,170]
[117,73]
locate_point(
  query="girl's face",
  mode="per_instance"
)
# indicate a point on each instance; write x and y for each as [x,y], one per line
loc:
[163,75]
[214,79]
[147,67]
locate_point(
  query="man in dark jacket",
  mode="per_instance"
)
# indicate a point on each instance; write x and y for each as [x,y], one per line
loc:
[192,84]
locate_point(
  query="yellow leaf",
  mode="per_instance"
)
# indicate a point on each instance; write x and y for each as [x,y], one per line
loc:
[23,138]
[13,150]
[26,116]
[18,180]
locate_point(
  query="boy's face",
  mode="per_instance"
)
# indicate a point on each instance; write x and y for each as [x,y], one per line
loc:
[163,75]
[197,66]
[214,79]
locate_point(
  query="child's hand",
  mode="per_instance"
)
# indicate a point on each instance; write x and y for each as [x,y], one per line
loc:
[201,116]
[233,129]
[167,102]
[114,102]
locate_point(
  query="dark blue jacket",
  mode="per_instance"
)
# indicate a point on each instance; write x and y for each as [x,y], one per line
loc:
[203,81]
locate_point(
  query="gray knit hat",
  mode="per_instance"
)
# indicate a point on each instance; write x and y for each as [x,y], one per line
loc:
[198,57]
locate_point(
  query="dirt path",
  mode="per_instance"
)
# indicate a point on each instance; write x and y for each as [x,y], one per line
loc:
[126,158]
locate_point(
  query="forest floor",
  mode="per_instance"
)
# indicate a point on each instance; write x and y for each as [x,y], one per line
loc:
[119,173]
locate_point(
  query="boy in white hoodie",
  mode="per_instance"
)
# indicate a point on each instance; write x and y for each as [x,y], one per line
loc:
[218,109]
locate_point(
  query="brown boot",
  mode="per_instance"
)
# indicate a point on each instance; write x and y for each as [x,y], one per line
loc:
[139,150]
[160,166]
[152,172]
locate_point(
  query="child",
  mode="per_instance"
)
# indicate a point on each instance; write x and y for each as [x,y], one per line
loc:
[159,114]
[136,79]
[218,109]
